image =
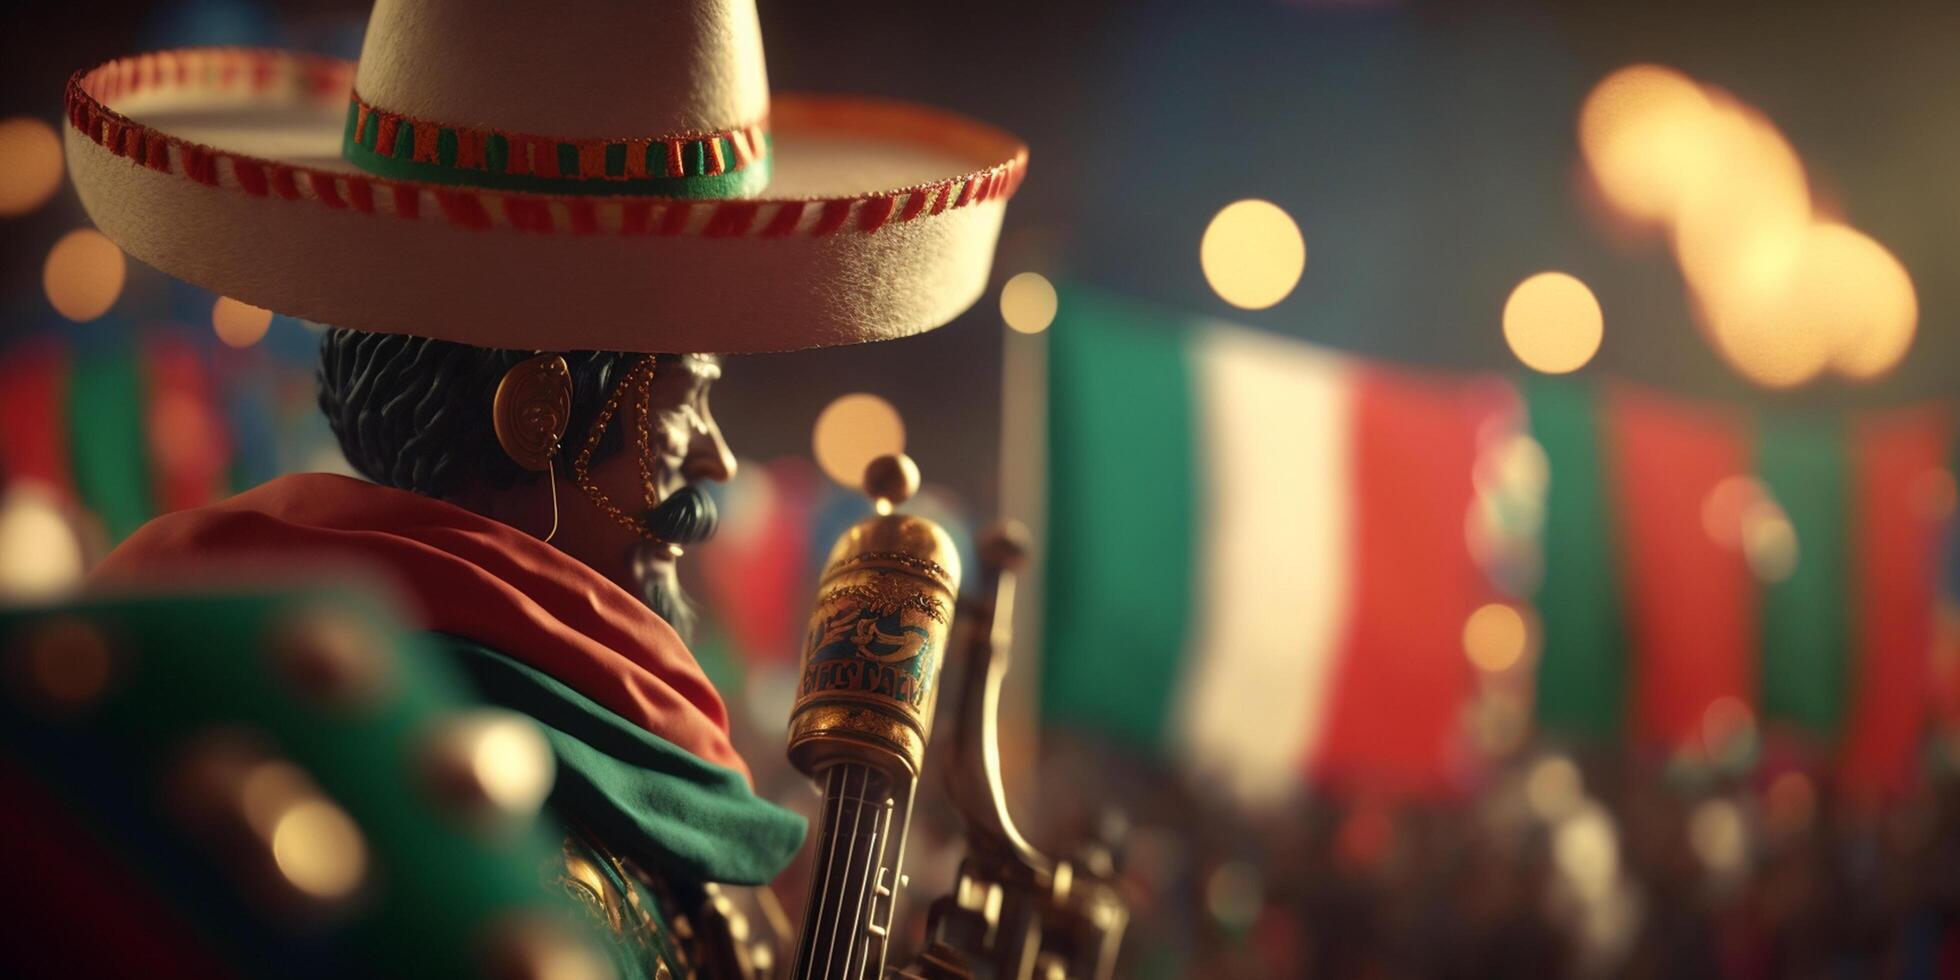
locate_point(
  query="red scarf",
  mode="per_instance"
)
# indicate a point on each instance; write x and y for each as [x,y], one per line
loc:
[463,574]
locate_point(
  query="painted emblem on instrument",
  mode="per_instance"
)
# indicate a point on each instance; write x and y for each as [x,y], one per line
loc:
[873,635]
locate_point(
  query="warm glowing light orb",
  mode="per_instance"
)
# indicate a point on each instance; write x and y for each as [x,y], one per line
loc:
[1554,788]
[1726,725]
[1644,131]
[511,761]
[1858,294]
[318,849]
[30,164]
[1769,352]
[1252,254]
[1723,509]
[1769,541]
[1718,835]
[239,324]
[1846,304]
[83,275]
[1586,848]
[40,555]
[1740,234]
[851,432]
[1553,323]
[1496,637]
[1028,302]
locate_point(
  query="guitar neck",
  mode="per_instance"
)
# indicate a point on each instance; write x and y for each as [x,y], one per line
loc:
[854,882]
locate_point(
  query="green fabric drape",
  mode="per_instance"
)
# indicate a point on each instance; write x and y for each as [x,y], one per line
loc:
[641,794]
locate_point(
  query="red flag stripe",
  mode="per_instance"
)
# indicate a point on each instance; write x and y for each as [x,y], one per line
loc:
[1691,601]
[34,416]
[1895,567]
[188,445]
[1415,584]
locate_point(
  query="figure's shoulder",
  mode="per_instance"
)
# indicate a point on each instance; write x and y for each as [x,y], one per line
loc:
[271,782]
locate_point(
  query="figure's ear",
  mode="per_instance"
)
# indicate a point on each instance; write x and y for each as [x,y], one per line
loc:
[531,409]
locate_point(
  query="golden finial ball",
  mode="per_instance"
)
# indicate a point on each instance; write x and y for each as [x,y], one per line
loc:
[891,479]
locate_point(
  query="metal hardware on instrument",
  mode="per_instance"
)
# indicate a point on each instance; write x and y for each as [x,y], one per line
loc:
[1014,913]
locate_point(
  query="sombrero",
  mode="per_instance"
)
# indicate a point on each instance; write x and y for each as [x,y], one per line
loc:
[572,175]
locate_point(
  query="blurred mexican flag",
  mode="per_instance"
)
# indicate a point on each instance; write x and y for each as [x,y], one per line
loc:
[1285,567]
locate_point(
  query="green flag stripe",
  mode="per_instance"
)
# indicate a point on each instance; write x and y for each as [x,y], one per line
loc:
[1806,627]
[1582,672]
[1120,518]
[107,440]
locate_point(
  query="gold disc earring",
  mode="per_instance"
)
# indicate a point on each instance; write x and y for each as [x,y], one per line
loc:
[530,411]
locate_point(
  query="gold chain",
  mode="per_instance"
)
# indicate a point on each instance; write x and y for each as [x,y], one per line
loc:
[639,380]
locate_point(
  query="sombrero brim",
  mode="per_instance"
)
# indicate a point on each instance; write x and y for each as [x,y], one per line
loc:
[222,167]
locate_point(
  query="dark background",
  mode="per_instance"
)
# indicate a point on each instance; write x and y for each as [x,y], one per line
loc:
[1426,150]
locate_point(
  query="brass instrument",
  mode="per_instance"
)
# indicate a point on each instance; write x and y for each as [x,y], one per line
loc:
[859,726]
[863,710]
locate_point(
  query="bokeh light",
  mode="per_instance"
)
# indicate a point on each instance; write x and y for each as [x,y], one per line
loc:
[1252,254]
[1496,637]
[40,554]
[1769,541]
[512,763]
[1728,729]
[30,164]
[1644,131]
[318,848]
[1718,835]
[1586,847]
[84,274]
[1553,323]
[1847,304]
[1234,894]
[1859,295]
[1740,234]
[239,324]
[1554,788]
[1723,508]
[851,432]
[1028,302]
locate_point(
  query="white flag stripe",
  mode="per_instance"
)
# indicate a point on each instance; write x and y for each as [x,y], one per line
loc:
[1275,497]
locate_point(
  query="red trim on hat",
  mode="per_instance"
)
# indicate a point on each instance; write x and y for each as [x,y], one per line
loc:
[785,220]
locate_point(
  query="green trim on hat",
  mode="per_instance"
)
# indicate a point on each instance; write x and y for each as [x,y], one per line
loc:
[398,162]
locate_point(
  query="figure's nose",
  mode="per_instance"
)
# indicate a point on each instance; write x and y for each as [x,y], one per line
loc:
[708,455]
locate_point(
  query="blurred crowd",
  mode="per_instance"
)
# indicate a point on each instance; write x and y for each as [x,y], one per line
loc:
[1563,866]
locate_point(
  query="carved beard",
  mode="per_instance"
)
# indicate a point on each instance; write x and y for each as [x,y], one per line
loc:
[686,517]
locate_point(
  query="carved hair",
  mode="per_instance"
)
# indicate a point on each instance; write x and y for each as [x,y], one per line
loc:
[414,413]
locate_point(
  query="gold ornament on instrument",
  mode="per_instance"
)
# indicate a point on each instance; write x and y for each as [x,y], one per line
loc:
[877,636]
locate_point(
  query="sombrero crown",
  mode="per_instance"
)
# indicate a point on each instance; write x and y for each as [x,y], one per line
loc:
[587,174]
[653,98]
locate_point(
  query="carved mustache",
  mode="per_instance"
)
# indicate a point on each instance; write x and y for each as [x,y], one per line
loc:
[687,516]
